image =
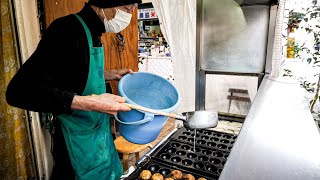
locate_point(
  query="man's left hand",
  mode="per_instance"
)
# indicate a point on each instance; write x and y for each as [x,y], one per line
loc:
[117,74]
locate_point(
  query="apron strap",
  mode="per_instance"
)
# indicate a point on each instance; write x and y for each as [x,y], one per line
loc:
[88,33]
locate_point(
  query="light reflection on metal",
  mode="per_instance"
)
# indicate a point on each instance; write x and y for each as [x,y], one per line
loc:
[279,139]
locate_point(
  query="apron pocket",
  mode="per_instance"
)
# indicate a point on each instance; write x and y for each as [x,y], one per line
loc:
[89,149]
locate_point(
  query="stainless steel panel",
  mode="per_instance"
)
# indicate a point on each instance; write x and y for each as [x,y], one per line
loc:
[271,38]
[200,75]
[248,2]
[228,46]
[279,138]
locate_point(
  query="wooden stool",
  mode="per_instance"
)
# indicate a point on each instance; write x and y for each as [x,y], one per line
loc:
[125,147]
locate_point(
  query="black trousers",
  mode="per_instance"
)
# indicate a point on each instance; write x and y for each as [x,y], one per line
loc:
[62,168]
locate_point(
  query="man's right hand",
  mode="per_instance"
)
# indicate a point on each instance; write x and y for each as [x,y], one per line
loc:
[104,103]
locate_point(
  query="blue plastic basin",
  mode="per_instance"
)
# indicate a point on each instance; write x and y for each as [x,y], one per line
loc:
[150,91]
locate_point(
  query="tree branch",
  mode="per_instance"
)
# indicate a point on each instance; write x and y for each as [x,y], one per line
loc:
[316,96]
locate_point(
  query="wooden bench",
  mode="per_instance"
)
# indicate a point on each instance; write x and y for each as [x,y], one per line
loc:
[232,97]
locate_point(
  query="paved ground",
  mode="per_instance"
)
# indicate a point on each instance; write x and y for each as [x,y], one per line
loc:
[228,127]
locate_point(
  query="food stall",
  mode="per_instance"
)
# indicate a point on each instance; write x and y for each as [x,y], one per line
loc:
[278,137]
[278,134]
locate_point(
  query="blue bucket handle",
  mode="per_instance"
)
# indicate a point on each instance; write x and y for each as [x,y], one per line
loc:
[147,117]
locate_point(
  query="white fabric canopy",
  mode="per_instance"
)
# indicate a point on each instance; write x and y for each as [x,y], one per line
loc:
[178,25]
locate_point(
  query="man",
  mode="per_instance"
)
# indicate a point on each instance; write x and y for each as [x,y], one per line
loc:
[65,76]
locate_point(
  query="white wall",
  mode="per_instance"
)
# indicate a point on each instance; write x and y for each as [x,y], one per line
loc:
[28,26]
[146,1]
[217,91]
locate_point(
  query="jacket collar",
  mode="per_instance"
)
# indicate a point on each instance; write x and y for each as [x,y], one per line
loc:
[92,20]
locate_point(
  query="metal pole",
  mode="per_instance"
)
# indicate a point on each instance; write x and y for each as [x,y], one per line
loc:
[200,75]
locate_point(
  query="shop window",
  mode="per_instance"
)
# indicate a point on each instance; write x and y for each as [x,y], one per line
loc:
[230,93]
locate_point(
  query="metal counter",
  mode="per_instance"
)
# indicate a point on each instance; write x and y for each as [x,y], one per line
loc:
[279,139]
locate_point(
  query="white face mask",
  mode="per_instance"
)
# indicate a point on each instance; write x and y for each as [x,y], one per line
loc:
[120,21]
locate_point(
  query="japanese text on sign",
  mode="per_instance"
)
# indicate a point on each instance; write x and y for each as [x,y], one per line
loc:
[149,13]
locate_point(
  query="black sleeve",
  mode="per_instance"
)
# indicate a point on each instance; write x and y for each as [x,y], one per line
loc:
[35,86]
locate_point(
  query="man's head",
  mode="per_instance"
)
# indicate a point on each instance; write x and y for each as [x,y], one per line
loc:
[116,14]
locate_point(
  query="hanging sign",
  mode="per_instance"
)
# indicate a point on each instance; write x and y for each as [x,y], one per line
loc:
[149,13]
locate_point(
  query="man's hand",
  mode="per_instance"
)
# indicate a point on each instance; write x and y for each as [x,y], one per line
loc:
[104,103]
[116,74]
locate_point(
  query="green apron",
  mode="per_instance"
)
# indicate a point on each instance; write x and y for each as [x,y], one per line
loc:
[87,134]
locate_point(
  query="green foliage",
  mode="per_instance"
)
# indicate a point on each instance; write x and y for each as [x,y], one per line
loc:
[287,73]
[295,17]
[308,54]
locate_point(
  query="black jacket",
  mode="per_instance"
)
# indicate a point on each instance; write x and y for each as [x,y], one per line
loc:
[56,71]
[58,68]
